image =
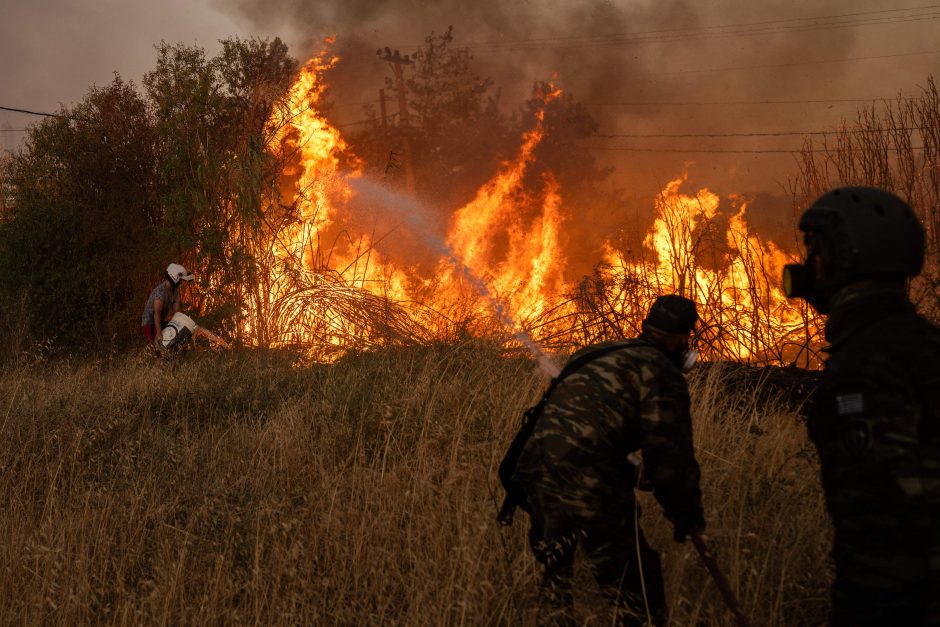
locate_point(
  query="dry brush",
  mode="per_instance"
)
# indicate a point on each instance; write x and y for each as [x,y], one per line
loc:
[244,488]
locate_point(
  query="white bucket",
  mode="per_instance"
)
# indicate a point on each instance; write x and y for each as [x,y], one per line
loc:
[178,330]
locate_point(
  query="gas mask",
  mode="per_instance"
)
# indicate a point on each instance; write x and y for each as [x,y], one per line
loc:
[687,360]
[800,280]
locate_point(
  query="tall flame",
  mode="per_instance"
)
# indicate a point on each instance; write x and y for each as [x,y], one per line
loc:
[522,260]
[744,314]
[530,273]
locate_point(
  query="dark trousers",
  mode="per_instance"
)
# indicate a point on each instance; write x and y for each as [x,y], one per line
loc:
[627,570]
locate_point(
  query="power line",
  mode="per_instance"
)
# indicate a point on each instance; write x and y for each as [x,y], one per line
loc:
[703,103]
[799,63]
[721,32]
[738,33]
[708,150]
[689,150]
[356,123]
[705,36]
[761,134]
[693,30]
[48,115]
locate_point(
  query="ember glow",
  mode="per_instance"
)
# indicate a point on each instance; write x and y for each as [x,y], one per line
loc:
[326,291]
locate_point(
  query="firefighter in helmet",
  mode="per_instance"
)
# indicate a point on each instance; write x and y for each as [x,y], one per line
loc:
[163,302]
[875,418]
[577,475]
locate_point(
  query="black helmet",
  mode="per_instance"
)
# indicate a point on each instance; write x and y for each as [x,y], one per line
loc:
[859,233]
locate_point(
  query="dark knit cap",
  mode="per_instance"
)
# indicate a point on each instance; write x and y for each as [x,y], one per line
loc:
[673,314]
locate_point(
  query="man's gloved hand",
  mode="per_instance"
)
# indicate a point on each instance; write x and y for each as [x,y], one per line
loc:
[686,528]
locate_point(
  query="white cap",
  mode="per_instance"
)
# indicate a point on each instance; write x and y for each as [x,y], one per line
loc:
[178,273]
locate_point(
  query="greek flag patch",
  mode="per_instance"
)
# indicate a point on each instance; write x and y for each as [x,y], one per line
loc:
[850,404]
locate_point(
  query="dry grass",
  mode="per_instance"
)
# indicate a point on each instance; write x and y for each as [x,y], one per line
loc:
[238,489]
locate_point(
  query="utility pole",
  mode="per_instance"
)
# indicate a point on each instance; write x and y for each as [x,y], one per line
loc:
[398,62]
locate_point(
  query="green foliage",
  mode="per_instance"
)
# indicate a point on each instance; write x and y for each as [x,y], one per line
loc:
[210,116]
[106,195]
[189,169]
[79,235]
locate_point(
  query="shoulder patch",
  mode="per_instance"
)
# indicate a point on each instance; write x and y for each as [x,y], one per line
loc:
[850,404]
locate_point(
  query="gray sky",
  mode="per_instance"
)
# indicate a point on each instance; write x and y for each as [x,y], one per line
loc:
[604,52]
[52,51]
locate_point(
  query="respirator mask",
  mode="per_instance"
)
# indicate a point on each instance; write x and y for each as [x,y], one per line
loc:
[687,359]
[800,279]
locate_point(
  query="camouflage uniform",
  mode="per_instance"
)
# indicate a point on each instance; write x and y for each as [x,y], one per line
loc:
[876,426]
[579,482]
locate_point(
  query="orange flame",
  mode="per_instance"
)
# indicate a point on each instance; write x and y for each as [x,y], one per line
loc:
[745,314]
[731,274]
[530,274]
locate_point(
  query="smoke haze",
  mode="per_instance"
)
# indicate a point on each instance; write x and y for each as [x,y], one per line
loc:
[613,56]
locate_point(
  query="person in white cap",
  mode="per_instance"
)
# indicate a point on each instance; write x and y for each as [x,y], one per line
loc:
[164,301]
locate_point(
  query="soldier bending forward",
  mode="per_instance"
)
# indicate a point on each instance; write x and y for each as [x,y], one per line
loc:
[579,482]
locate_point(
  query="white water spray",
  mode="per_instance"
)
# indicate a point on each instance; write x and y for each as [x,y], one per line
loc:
[414,212]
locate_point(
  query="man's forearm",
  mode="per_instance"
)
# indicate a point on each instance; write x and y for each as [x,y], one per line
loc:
[157,329]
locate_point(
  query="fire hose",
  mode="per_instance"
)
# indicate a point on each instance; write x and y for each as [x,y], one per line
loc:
[730,598]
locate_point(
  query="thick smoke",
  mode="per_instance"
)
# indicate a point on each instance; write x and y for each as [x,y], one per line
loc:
[607,53]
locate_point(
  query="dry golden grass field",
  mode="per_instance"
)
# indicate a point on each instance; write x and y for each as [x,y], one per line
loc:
[241,489]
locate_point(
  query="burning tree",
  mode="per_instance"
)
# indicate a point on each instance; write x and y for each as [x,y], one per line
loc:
[240,175]
[732,273]
[310,287]
[328,286]
[455,131]
[213,163]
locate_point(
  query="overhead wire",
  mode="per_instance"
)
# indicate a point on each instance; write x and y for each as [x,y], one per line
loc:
[692,30]
[700,34]
[48,115]
[758,134]
[707,150]
[725,35]
[800,63]
[701,103]
[727,29]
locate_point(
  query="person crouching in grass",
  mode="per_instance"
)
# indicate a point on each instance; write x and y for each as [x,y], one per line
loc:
[163,302]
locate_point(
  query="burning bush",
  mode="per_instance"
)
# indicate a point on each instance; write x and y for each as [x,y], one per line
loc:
[507,248]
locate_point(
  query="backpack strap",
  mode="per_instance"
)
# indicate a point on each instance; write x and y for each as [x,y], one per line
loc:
[574,365]
[515,496]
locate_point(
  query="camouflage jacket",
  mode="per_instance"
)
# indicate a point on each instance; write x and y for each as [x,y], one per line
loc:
[627,400]
[875,420]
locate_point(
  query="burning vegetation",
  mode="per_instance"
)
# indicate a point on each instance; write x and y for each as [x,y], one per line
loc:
[306,234]
[329,287]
